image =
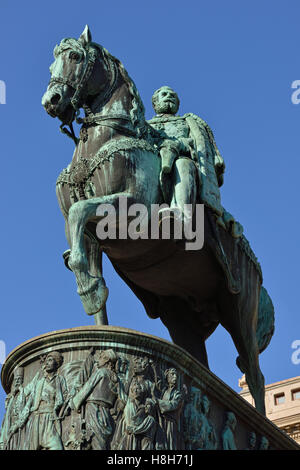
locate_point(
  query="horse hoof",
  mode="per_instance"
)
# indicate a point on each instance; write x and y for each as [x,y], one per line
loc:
[95,297]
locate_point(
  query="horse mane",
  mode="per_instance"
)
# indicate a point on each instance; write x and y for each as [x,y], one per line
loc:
[137,112]
[69,43]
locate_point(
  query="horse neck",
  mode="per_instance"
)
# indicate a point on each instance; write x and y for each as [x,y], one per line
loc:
[119,113]
[118,105]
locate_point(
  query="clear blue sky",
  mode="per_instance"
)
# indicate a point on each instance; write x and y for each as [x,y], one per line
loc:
[232,63]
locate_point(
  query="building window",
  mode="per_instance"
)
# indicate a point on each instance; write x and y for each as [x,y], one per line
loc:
[279,399]
[296,394]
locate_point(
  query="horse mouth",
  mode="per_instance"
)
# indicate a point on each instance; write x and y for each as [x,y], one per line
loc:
[66,116]
[51,111]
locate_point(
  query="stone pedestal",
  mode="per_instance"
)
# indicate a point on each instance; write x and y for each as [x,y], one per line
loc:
[104,387]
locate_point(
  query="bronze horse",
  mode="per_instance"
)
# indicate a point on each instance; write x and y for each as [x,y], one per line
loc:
[114,160]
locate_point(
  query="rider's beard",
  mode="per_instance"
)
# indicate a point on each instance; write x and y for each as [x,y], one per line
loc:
[167,107]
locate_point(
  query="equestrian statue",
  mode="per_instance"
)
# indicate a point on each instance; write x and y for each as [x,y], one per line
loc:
[122,163]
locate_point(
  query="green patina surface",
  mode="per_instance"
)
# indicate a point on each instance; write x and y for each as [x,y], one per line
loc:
[170,159]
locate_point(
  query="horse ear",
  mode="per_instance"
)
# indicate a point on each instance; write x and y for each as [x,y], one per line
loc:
[86,36]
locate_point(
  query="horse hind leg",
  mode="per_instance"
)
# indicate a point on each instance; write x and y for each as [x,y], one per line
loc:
[254,378]
[183,326]
[248,363]
[239,319]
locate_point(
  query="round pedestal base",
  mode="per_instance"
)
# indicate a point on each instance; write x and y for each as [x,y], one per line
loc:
[110,388]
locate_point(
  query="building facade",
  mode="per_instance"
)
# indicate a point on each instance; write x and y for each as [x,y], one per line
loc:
[282,401]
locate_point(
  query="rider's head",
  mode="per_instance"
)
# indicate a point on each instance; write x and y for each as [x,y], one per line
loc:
[165,101]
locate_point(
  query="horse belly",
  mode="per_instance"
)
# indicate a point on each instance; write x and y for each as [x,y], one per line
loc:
[168,272]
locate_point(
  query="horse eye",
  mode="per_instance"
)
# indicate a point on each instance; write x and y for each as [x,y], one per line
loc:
[74,56]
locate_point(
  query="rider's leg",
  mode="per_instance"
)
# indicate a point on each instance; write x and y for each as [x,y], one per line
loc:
[185,187]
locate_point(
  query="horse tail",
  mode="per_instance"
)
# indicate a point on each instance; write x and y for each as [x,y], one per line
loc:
[266,320]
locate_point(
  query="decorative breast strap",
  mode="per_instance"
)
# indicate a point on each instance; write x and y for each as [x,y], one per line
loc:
[84,168]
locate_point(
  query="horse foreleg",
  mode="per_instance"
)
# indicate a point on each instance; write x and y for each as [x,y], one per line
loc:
[95,270]
[91,288]
[91,285]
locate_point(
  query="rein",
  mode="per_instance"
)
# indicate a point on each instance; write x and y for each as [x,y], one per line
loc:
[98,119]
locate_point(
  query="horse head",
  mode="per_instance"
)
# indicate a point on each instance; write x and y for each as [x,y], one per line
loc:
[84,74]
[76,77]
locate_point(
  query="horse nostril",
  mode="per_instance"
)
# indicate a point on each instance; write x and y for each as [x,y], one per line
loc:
[55,98]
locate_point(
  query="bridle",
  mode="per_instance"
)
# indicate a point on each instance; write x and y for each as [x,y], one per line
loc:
[80,85]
